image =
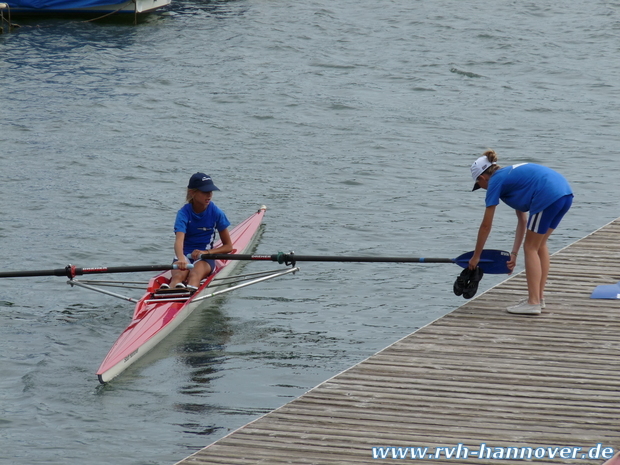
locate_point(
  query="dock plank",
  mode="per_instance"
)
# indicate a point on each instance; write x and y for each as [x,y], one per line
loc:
[477,375]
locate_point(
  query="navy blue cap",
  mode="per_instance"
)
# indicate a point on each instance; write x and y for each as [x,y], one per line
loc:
[202,182]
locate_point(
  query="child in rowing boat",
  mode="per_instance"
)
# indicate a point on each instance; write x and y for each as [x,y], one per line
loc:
[194,229]
[526,187]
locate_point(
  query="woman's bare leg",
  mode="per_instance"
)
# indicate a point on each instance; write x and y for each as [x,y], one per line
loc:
[537,264]
[198,273]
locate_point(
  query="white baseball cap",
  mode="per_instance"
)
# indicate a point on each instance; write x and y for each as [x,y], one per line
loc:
[479,167]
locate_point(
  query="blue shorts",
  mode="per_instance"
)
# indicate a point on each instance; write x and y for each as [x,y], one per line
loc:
[551,216]
[210,262]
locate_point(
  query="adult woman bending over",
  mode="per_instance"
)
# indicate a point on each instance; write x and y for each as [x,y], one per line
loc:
[526,187]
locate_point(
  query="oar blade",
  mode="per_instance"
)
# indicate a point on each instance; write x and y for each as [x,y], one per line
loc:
[491,261]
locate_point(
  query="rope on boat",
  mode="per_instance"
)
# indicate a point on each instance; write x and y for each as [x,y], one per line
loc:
[116,11]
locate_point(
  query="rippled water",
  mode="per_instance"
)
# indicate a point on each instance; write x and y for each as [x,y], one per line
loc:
[355,122]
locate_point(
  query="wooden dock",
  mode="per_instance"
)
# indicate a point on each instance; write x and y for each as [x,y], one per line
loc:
[475,376]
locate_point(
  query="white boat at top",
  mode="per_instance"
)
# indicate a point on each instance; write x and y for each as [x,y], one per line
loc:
[62,7]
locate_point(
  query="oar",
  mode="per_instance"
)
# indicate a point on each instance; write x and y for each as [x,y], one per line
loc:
[71,271]
[491,261]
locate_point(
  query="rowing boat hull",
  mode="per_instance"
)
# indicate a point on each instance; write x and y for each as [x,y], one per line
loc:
[154,319]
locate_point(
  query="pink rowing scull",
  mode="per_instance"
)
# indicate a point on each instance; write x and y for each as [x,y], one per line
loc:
[157,314]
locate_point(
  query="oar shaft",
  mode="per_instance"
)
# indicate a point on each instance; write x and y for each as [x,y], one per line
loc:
[283,258]
[72,271]
[491,261]
[123,269]
[25,274]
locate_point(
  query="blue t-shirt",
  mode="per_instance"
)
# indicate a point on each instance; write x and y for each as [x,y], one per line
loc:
[200,228]
[526,187]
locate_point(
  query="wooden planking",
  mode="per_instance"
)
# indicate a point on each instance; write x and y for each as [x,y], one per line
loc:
[477,375]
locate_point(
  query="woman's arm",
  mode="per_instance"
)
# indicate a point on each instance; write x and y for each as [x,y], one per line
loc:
[483,234]
[179,239]
[519,234]
[227,244]
[226,247]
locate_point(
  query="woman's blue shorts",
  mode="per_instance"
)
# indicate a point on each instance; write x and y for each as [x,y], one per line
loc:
[551,216]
